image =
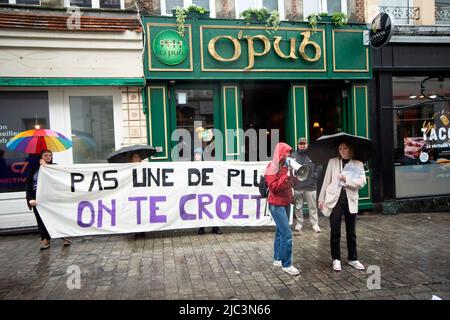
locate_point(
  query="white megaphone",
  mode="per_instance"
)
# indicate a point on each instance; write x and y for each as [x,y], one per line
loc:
[300,171]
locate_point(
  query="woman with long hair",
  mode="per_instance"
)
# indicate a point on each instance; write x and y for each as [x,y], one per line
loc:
[46,158]
[339,197]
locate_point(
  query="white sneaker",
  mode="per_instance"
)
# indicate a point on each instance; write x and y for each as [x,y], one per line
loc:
[356,264]
[337,265]
[298,227]
[277,263]
[291,270]
[316,228]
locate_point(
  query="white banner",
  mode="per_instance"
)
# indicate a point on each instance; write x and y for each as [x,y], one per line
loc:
[108,198]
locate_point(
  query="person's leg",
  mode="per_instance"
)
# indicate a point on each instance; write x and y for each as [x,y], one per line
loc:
[276,242]
[312,206]
[201,230]
[350,230]
[284,234]
[298,209]
[41,227]
[335,233]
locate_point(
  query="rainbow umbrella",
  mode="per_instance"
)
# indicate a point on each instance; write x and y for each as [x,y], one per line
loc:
[36,140]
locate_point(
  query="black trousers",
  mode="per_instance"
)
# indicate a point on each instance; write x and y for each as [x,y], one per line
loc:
[341,209]
[41,227]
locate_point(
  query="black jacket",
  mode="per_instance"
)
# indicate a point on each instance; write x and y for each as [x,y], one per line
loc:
[310,184]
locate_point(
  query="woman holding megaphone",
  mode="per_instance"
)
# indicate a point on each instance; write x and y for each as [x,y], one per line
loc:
[278,178]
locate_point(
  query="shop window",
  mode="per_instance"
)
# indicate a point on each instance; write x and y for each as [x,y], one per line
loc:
[92,121]
[195,113]
[29,109]
[421,138]
[96,4]
[318,6]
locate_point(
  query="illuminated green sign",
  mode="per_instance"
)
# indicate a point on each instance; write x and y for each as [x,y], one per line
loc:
[170,48]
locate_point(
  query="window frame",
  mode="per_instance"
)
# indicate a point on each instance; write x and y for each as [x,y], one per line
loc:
[323,7]
[24,4]
[95,4]
[186,4]
[258,4]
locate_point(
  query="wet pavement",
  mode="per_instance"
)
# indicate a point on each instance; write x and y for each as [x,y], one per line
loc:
[411,251]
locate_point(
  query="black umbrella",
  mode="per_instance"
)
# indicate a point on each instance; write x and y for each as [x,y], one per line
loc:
[123,154]
[326,147]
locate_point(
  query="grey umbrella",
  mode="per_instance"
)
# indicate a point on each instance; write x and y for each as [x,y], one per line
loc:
[326,147]
[123,154]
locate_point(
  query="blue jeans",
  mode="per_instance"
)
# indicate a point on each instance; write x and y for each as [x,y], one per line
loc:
[282,247]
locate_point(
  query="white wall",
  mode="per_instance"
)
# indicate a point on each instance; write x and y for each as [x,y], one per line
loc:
[31,53]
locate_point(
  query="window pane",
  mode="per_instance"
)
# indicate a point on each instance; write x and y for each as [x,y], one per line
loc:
[195,106]
[28,2]
[310,7]
[81,3]
[202,3]
[92,120]
[114,4]
[270,4]
[243,5]
[333,6]
[4,1]
[171,4]
[421,160]
[30,108]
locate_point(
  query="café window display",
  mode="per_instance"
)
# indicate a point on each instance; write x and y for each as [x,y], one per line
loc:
[19,111]
[421,137]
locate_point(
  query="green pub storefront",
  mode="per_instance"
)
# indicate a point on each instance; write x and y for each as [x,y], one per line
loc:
[227,74]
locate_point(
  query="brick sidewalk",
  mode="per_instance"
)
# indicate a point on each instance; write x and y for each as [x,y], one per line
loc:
[412,251]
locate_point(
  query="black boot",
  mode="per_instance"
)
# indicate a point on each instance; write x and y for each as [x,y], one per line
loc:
[216,230]
[201,230]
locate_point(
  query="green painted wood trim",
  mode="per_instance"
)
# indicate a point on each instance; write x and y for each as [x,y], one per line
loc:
[158,121]
[360,110]
[299,113]
[359,124]
[48,82]
[232,121]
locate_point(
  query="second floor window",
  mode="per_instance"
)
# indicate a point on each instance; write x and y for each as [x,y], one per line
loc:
[270,5]
[168,5]
[319,6]
[96,4]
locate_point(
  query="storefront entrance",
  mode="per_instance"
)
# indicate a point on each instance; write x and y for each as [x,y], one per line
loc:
[326,108]
[264,107]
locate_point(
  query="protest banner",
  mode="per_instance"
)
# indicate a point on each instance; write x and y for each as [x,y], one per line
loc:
[95,199]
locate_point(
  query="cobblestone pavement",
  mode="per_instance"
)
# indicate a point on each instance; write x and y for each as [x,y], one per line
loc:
[411,250]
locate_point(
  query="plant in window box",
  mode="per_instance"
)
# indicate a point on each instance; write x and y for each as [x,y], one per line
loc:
[272,19]
[339,18]
[192,11]
[313,18]
[325,17]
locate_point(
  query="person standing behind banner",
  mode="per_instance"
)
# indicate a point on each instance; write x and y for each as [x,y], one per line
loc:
[46,157]
[339,197]
[198,156]
[306,190]
[136,157]
[278,179]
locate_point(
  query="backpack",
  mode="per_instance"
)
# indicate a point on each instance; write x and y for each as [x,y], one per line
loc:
[263,188]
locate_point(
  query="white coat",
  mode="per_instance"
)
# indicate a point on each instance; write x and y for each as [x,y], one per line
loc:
[331,188]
